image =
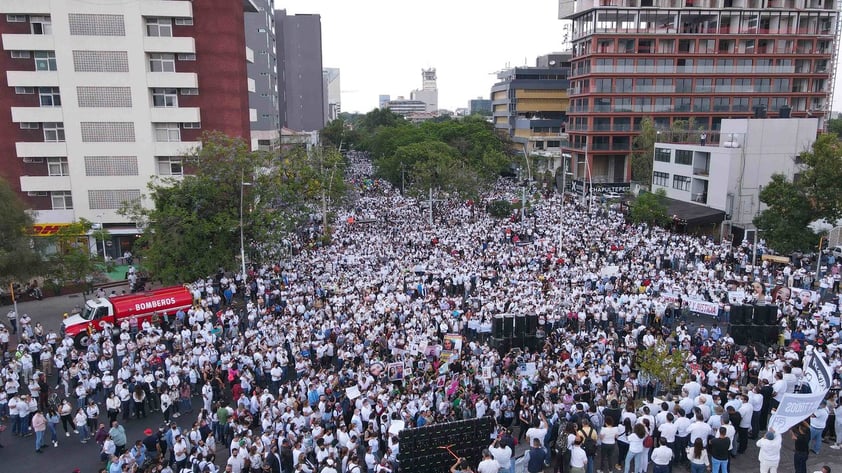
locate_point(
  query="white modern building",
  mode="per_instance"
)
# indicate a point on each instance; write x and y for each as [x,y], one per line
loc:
[728,174]
[429,92]
[100,97]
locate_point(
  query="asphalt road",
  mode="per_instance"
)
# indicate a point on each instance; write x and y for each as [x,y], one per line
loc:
[19,456]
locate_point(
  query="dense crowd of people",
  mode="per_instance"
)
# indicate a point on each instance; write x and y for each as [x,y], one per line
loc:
[315,363]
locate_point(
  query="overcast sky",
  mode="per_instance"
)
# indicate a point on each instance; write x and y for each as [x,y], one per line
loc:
[380,46]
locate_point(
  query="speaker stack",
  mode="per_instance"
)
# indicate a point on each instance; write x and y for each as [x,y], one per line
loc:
[515,331]
[754,324]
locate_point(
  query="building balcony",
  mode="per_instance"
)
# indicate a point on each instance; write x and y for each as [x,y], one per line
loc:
[32,7]
[175,148]
[165,8]
[172,80]
[44,183]
[32,78]
[37,149]
[37,114]
[175,115]
[173,44]
[29,42]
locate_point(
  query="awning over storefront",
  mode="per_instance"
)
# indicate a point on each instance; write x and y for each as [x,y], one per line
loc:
[693,214]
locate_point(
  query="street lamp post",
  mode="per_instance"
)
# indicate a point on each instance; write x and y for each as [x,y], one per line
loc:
[243,184]
[102,237]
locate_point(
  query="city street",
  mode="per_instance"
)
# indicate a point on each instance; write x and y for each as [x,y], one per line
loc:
[18,454]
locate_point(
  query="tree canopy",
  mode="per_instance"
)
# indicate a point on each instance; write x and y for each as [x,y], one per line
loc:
[457,156]
[793,206]
[193,227]
[649,208]
[18,259]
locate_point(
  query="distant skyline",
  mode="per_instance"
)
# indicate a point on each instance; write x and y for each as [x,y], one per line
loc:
[381,45]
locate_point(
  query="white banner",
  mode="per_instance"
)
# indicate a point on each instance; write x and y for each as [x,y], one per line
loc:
[669,297]
[794,408]
[736,297]
[703,307]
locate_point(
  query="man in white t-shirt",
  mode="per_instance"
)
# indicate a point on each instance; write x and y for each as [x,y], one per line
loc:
[488,463]
[502,454]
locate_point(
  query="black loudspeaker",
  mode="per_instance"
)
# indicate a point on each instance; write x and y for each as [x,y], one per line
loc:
[738,314]
[508,326]
[502,345]
[497,326]
[766,314]
[742,334]
[520,325]
[770,335]
[531,324]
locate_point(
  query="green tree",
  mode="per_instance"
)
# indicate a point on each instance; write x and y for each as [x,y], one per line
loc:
[784,223]
[644,149]
[339,135]
[834,125]
[822,176]
[667,368]
[18,259]
[70,260]
[195,225]
[650,208]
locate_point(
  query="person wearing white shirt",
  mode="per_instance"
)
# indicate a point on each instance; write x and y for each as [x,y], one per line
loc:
[770,452]
[578,457]
[502,454]
[661,457]
[699,430]
[488,463]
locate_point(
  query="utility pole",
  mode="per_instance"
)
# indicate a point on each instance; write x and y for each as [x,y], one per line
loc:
[431,206]
[403,179]
[523,203]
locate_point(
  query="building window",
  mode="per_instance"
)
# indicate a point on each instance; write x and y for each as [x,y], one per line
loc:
[94,24]
[170,167]
[165,98]
[101,61]
[162,62]
[187,57]
[683,156]
[45,61]
[681,183]
[660,178]
[662,155]
[15,18]
[49,96]
[20,55]
[107,132]
[184,21]
[57,167]
[111,166]
[41,25]
[190,91]
[30,126]
[159,27]
[104,97]
[54,132]
[62,200]
[167,132]
[192,125]
[112,199]
[24,90]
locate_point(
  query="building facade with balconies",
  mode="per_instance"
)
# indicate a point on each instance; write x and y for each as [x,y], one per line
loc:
[102,97]
[699,61]
[529,106]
